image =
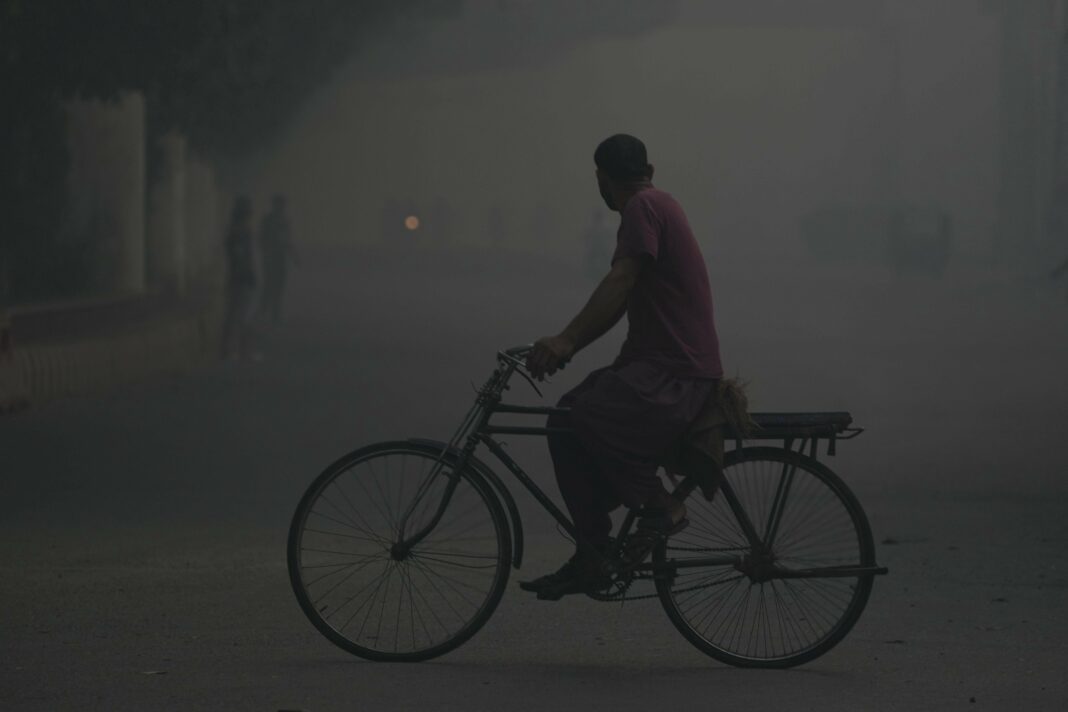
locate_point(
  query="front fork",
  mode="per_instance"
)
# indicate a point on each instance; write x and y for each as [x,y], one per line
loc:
[404,545]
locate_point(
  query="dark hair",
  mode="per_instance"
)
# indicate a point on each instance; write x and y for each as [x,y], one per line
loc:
[622,158]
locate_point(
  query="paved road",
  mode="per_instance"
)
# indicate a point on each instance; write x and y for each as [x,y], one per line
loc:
[142,548]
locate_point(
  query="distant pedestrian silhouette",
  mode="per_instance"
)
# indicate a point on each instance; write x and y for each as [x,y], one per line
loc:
[276,252]
[1061,269]
[240,282]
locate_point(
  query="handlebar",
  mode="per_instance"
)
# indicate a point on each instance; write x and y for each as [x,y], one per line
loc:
[517,355]
[518,351]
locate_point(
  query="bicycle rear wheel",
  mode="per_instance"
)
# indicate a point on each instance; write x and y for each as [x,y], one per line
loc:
[751,613]
[374,600]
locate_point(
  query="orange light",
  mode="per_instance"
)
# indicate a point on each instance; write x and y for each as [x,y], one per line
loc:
[411,222]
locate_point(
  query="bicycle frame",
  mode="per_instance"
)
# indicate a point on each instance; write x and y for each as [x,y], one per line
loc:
[476,429]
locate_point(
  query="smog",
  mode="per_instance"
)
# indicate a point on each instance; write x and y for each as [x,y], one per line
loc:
[876,189]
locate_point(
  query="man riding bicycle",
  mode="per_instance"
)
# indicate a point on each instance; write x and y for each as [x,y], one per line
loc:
[624,417]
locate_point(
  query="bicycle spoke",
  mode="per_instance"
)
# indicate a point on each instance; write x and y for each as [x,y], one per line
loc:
[337,585]
[370,602]
[329,573]
[374,500]
[346,522]
[353,572]
[346,536]
[340,553]
[420,561]
[352,507]
[423,570]
[437,552]
[413,607]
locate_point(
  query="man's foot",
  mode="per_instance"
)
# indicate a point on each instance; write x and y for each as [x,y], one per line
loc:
[581,574]
[564,573]
[654,526]
[585,577]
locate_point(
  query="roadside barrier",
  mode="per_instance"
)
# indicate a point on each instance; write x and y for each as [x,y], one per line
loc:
[38,372]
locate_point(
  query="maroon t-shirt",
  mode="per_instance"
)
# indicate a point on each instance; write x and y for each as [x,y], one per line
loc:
[669,310]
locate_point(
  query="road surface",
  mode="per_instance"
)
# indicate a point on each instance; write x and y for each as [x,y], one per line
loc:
[142,558]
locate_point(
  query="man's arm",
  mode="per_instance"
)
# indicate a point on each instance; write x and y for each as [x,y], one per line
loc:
[605,306]
[603,310]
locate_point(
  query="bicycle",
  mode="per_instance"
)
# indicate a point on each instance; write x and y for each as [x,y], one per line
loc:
[772,572]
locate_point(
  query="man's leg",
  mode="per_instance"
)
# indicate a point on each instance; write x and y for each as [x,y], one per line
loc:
[626,424]
[610,457]
[581,483]
[587,496]
[624,433]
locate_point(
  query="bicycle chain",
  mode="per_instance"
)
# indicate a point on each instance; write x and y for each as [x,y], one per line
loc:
[622,587]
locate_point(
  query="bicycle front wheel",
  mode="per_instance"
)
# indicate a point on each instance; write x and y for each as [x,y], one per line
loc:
[786,600]
[382,602]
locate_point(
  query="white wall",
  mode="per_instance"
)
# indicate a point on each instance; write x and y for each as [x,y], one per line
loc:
[106,141]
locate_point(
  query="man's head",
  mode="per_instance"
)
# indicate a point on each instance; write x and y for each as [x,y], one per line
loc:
[622,165]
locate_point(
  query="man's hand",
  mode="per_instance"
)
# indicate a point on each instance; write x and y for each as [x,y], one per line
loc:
[549,355]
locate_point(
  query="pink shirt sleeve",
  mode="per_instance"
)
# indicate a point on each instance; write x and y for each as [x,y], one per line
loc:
[639,232]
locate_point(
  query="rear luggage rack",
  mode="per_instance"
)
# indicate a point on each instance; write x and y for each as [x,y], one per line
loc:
[832,426]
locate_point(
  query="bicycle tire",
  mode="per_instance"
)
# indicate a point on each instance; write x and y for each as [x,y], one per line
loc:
[779,642]
[358,536]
